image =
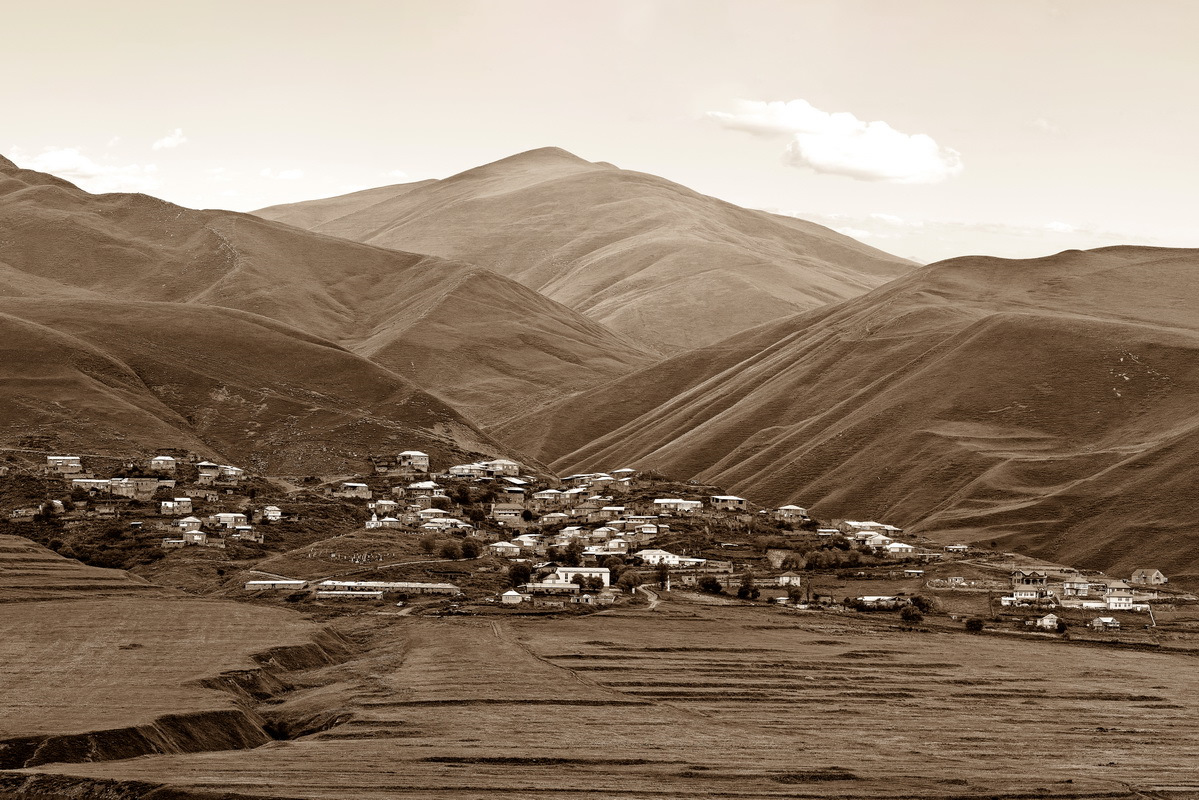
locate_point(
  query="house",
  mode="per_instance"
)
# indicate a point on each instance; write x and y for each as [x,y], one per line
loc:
[348,594]
[655,557]
[272,514]
[408,587]
[791,512]
[1024,577]
[913,573]
[180,505]
[136,488]
[1107,623]
[512,597]
[554,518]
[430,487]
[957,548]
[1148,577]
[413,461]
[230,474]
[207,472]
[228,519]
[1047,622]
[161,464]
[245,533]
[504,549]
[354,490]
[189,524]
[383,506]
[64,465]
[472,470]
[1076,587]
[727,502]
[507,513]
[1118,596]
[849,527]
[790,579]
[874,541]
[568,574]
[501,467]
[551,498]
[899,549]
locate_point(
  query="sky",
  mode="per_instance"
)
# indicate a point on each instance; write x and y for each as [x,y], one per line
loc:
[927,128]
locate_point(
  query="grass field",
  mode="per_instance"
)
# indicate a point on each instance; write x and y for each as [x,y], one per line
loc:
[691,700]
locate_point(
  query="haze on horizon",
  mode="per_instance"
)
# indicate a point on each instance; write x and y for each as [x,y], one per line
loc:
[928,129]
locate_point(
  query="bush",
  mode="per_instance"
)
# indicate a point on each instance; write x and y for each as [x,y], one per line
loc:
[974,625]
[519,574]
[710,585]
[451,550]
[911,615]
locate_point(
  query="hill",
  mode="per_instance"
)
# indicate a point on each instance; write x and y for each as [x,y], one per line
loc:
[1047,404]
[125,378]
[648,258]
[472,337]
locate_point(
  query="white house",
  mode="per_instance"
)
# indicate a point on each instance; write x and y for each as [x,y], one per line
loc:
[655,557]
[414,461]
[162,464]
[228,519]
[791,512]
[899,549]
[1105,622]
[279,584]
[1048,622]
[91,484]
[189,524]
[1119,596]
[676,505]
[180,505]
[358,490]
[512,597]
[272,513]
[501,467]
[473,470]
[503,549]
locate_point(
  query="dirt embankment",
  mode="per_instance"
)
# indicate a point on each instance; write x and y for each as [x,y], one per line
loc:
[19,786]
[247,726]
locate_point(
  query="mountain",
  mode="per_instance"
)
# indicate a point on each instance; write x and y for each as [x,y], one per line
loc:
[650,259]
[1050,405]
[474,338]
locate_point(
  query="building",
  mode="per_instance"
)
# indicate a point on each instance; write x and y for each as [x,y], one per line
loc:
[503,549]
[790,579]
[64,465]
[278,584]
[791,512]
[1106,623]
[512,597]
[228,519]
[180,505]
[1118,596]
[189,524]
[501,467]
[1076,588]
[91,485]
[899,549]
[727,502]
[507,513]
[272,514]
[1148,577]
[162,464]
[406,587]
[354,490]
[473,470]
[956,548]
[413,461]
[655,557]
[1047,622]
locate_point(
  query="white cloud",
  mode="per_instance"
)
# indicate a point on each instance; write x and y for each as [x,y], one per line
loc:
[1044,125]
[856,233]
[170,140]
[70,163]
[1060,227]
[842,144]
[283,174]
[398,174]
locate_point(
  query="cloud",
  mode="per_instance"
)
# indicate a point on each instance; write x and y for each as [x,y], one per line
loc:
[842,144]
[70,163]
[399,174]
[283,174]
[1043,125]
[170,141]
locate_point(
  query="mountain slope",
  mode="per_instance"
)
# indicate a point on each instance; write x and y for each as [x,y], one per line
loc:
[61,241]
[646,257]
[1049,404]
[128,377]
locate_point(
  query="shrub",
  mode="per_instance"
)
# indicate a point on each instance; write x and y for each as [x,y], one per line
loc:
[710,585]
[911,615]
[974,625]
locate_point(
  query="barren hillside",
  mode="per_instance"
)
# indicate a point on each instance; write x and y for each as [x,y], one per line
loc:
[646,257]
[476,339]
[1049,404]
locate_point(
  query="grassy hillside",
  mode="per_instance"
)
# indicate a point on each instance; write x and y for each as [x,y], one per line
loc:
[1047,404]
[648,258]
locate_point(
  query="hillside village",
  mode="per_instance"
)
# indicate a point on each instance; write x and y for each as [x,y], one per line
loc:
[494,537]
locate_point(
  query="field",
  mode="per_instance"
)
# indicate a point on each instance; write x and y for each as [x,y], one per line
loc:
[695,700]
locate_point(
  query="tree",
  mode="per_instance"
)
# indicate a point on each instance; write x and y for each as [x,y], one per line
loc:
[911,615]
[663,575]
[795,594]
[526,515]
[748,590]
[709,584]
[974,625]
[629,579]
[470,549]
[451,550]
[428,544]
[922,603]
[1062,626]
[573,554]
[595,583]
[519,574]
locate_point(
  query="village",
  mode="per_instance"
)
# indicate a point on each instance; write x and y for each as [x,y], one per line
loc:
[492,537]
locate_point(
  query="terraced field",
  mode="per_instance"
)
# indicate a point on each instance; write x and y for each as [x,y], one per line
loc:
[29,571]
[693,700]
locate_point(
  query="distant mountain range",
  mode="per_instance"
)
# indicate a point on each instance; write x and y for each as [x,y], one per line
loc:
[582,316]
[652,260]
